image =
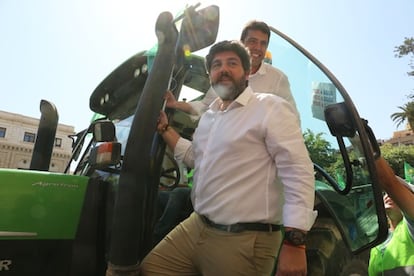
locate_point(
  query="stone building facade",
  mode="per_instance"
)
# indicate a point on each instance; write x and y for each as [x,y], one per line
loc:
[402,137]
[17,139]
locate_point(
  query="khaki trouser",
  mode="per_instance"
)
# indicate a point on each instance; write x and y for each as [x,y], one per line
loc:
[193,248]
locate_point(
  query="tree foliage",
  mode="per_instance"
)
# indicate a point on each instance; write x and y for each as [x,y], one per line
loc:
[320,150]
[407,111]
[397,155]
[406,49]
[322,153]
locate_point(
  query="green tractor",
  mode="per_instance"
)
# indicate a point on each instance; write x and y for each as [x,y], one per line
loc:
[101,212]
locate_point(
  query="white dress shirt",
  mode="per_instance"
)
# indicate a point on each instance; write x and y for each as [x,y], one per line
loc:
[267,79]
[237,154]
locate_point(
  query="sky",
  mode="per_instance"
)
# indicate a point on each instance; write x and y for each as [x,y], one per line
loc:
[61,50]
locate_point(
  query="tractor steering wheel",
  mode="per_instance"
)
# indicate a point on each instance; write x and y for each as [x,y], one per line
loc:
[170,172]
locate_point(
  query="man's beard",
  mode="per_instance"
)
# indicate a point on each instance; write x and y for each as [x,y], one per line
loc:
[231,91]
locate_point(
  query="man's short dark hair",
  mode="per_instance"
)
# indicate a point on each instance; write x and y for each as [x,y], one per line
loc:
[226,46]
[256,26]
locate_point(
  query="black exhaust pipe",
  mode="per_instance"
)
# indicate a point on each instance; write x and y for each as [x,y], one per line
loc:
[45,139]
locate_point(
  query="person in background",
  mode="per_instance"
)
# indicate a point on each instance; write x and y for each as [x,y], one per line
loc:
[242,142]
[263,76]
[395,256]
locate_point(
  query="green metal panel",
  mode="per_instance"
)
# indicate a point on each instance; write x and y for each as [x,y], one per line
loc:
[40,205]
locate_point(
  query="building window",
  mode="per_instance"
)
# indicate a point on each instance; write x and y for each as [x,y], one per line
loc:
[2,132]
[58,142]
[29,137]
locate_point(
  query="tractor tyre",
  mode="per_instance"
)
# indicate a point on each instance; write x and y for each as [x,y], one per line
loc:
[327,253]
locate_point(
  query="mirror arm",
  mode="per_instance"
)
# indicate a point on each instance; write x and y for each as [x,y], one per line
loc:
[348,167]
[372,140]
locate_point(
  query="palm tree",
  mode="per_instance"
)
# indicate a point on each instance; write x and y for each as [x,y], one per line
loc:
[407,114]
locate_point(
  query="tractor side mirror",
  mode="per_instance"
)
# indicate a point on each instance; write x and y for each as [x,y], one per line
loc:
[199,28]
[108,151]
[339,121]
[103,131]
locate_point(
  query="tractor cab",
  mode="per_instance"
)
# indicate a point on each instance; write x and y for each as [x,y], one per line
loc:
[102,210]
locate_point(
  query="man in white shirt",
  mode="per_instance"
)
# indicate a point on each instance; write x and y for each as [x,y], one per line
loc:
[263,76]
[243,141]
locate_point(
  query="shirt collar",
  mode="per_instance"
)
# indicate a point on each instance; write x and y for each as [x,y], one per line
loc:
[261,71]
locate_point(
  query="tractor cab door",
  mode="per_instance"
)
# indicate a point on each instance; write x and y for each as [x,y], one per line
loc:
[340,144]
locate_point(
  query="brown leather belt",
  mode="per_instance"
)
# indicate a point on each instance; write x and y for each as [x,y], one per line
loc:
[240,227]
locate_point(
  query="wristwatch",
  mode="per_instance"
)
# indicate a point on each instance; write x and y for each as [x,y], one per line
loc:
[295,237]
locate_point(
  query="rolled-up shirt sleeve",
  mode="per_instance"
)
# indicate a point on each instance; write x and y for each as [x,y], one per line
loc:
[183,152]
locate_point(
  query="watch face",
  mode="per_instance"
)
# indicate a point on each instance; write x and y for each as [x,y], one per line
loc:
[296,237]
